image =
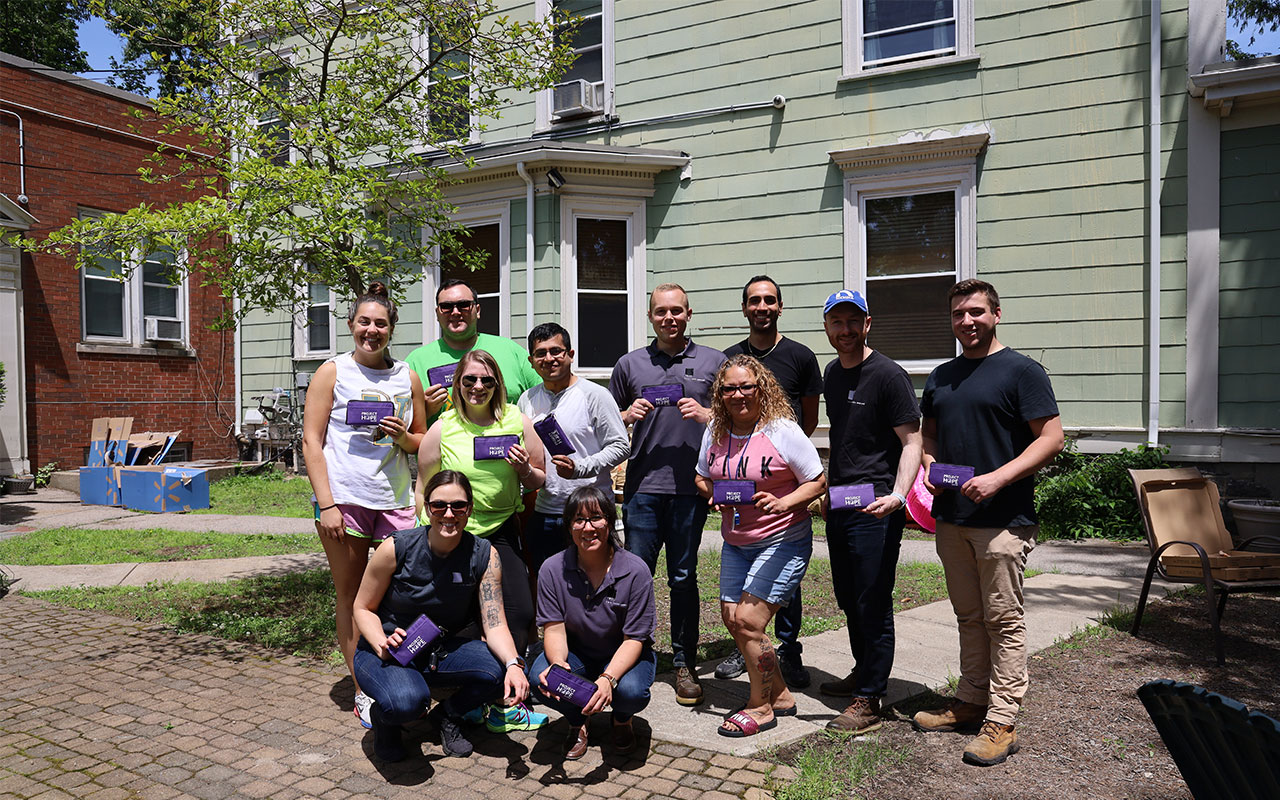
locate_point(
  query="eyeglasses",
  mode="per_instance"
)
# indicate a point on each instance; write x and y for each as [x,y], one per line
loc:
[553,352]
[462,305]
[745,389]
[487,381]
[440,506]
[593,521]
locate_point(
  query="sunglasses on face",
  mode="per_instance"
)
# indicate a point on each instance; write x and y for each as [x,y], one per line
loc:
[462,305]
[487,381]
[552,352]
[745,389]
[441,506]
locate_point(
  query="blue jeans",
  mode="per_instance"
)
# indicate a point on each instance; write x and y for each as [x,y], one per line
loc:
[786,624]
[629,699]
[403,692]
[864,561]
[676,521]
[546,536]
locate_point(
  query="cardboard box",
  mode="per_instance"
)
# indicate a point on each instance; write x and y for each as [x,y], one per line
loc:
[100,486]
[99,436]
[164,488]
[118,444]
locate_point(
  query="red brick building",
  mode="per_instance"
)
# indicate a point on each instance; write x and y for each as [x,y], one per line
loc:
[93,345]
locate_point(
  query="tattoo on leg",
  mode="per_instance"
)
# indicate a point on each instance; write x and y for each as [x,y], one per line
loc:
[767,663]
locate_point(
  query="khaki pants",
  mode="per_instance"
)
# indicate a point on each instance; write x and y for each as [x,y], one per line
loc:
[984,579]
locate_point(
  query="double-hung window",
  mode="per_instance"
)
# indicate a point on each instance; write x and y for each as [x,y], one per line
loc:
[272,126]
[586,90]
[147,305]
[487,232]
[880,35]
[448,88]
[315,328]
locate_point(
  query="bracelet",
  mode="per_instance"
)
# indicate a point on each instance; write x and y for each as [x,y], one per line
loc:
[900,497]
[326,508]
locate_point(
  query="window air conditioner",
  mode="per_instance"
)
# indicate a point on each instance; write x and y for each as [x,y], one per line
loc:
[159,329]
[577,98]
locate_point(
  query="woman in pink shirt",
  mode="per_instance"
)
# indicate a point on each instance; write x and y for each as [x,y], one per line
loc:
[760,471]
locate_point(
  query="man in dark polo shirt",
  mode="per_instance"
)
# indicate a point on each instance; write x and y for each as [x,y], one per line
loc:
[796,368]
[875,439]
[991,409]
[663,390]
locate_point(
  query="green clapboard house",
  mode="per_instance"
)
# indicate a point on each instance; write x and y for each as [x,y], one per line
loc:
[893,147]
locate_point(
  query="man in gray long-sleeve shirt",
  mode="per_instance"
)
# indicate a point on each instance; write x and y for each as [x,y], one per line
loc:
[588,417]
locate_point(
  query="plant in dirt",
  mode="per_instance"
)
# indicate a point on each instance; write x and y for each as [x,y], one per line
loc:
[45,472]
[829,765]
[1091,496]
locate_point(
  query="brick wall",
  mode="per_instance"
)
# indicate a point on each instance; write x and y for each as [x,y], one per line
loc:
[72,165]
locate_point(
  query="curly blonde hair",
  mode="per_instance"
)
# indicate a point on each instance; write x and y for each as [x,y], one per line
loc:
[774,404]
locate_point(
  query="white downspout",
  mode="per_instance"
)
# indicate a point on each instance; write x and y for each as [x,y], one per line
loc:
[1153,234]
[528,246]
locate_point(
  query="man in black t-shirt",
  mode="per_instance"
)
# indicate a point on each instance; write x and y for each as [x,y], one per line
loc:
[796,368]
[991,409]
[875,439]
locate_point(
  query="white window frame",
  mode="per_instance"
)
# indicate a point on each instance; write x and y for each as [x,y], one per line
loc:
[498,213]
[262,122]
[133,322]
[632,210]
[852,32]
[960,179]
[302,336]
[423,46]
[542,103]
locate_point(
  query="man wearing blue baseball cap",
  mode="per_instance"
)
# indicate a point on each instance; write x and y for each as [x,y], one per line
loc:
[875,440]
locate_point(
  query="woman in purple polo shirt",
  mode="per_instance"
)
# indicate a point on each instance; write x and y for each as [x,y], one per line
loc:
[596,609]
[766,472]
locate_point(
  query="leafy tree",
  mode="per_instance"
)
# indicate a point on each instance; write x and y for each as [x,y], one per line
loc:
[44,31]
[157,37]
[1264,14]
[324,129]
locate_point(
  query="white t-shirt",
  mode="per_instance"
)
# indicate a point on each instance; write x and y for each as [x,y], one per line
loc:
[367,468]
[594,427]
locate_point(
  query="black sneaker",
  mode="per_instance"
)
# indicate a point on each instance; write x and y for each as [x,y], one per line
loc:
[731,667]
[452,740]
[793,671]
[388,741]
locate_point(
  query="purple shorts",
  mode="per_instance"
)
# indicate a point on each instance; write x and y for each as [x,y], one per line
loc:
[375,524]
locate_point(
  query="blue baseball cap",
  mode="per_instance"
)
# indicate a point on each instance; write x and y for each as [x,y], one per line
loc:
[845,296]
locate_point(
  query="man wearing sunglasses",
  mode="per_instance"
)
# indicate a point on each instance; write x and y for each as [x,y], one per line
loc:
[592,427]
[458,312]
[796,368]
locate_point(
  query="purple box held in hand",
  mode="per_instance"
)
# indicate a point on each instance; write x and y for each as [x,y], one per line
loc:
[733,493]
[949,476]
[666,394]
[368,412]
[567,686]
[491,447]
[417,638]
[553,436]
[858,495]
[442,375]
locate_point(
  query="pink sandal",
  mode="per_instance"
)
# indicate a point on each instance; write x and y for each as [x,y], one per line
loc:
[747,725]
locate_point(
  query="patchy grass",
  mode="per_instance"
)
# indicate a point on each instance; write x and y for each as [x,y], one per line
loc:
[829,765]
[272,494]
[98,546]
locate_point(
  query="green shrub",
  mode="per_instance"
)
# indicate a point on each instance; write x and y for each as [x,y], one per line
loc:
[1091,496]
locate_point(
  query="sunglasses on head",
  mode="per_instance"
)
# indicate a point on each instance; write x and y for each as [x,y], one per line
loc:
[487,381]
[462,305]
[440,506]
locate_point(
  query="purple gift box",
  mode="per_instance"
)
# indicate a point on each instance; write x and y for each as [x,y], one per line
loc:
[858,495]
[733,493]
[417,638]
[949,476]
[567,686]
[491,447]
[553,436]
[666,394]
[368,412]
[442,375]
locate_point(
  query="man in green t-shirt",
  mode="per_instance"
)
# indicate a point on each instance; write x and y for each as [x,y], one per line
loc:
[458,311]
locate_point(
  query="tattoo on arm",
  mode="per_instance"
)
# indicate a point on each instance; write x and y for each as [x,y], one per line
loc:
[491,596]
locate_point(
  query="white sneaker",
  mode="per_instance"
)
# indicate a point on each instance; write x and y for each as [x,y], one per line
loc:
[363,703]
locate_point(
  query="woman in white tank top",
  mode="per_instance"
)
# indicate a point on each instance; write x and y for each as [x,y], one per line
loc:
[357,454]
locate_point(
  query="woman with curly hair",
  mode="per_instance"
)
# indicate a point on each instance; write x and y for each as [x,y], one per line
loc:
[760,471]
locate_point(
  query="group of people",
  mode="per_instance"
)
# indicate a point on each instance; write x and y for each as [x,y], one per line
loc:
[470,551]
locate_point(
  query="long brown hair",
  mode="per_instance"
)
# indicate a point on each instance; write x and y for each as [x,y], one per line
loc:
[773,401]
[498,401]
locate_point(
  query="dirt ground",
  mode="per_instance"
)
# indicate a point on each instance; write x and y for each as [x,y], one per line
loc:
[1083,731]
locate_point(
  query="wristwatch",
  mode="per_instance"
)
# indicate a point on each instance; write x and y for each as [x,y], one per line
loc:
[514,662]
[613,682]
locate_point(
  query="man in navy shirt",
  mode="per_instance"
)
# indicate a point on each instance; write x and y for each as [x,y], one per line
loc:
[796,368]
[991,409]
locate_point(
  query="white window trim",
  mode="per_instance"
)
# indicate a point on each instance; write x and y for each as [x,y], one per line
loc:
[633,211]
[134,333]
[423,45]
[477,214]
[287,59]
[851,30]
[301,336]
[543,120]
[961,179]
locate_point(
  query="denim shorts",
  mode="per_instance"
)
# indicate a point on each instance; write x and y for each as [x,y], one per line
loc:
[771,572]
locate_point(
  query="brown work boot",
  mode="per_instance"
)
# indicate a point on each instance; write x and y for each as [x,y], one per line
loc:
[956,715]
[841,688]
[688,689]
[575,744]
[862,716]
[992,745]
